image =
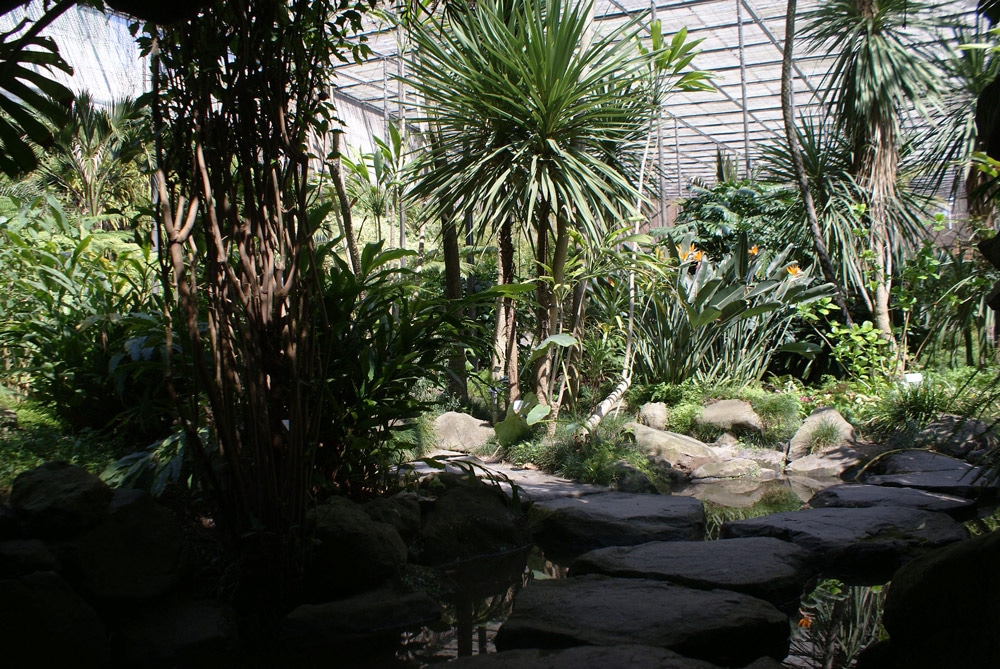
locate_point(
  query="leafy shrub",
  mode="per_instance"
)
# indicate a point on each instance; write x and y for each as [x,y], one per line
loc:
[382,336]
[719,320]
[863,353]
[905,410]
[79,323]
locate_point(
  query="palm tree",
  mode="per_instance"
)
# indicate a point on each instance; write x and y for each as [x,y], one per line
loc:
[879,73]
[534,115]
[94,159]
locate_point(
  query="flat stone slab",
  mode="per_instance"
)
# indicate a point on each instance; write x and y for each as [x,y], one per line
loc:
[581,657]
[568,527]
[719,626]
[537,486]
[933,472]
[853,495]
[861,546]
[762,567]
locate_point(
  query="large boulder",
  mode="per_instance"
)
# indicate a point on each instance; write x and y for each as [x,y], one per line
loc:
[178,633]
[44,623]
[933,472]
[58,500]
[136,553]
[402,511]
[655,415]
[762,567]
[804,441]
[829,464]
[20,557]
[466,518]
[734,416]
[714,625]
[861,495]
[626,477]
[943,610]
[455,431]
[736,468]
[862,546]
[583,657]
[351,551]
[567,527]
[676,450]
[958,436]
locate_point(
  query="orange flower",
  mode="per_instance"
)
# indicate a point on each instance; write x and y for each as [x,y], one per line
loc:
[806,621]
[697,256]
[794,269]
[754,250]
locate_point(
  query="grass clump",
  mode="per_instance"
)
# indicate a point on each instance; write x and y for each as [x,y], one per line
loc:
[41,437]
[824,435]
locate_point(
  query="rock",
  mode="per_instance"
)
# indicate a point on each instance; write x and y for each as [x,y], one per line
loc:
[59,500]
[20,557]
[803,442]
[858,495]
[377,614]
[11,526]
[829,464]
[654,415]
[626,477]
[734,416]
[739,493]
[731,469]
[805,487]
[942,609]
[402,511]
[178,633]
[726,440]
[766,458]
[468,518]
[535,486]
[565,528]
[862,546]
[583,657]
[958,436]
[718,626]
[461,432]
[136,553]
[932,472]
[44,623]
[352,552]
[762,567]
[678,450]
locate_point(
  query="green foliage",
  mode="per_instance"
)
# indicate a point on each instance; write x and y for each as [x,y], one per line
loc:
[40,436]
[838,622]
[719,320]
[593,458]
[79,325]
[153,468]
[863,352]
[519,421]
[718,215]
[903,411]
[825,435]
[98,162]
[28,94]
[384,335]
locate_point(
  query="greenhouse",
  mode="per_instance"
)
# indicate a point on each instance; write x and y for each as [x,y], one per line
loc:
[499,333]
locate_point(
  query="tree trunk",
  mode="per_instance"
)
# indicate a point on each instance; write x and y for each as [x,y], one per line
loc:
[788,114]
[505,361]
[337,175]
[543,291]
[457,384]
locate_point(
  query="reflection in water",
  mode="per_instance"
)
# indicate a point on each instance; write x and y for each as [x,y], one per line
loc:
[477,595]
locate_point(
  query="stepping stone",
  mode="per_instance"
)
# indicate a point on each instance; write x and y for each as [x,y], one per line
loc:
[853,495]
[537,486]
[932,472]
[862,546]
[719,626]
[762,567]
[568,527]
[610,657]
